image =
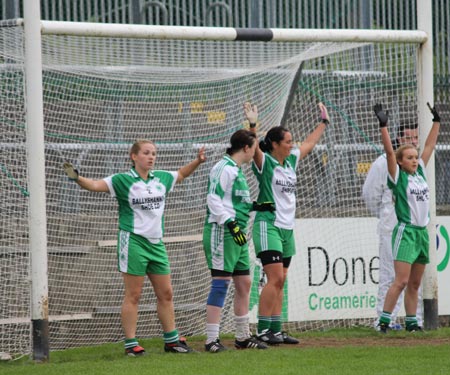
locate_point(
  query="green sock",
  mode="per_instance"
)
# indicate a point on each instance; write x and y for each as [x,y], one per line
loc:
[171,337]
[410,321]
[275,324]
[385,317]
[131,343]
[263,323]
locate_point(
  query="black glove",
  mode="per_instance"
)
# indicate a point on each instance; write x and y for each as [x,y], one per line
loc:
[238,236]
[382,116]
[264,206]
[434,112]
[70,171]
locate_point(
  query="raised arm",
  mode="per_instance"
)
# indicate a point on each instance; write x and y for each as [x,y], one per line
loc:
[85,183]
[431,140]
[386,139]
[251,114]
[188,169]
[309,143]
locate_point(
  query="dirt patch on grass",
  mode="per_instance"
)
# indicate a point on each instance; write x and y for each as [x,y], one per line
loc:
[330,342]
[371,341]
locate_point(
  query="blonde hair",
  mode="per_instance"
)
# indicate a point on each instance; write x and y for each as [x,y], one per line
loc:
[136,147]
[400,151]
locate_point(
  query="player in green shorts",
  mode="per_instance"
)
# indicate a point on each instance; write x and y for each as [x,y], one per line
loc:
[141,193]
[225,242]
[274,164]
[410,242]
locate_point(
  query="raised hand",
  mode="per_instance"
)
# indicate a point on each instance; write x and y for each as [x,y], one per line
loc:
[381,115]
[251,113]
[434,112]
[70,171]
[324,114]
[201,155]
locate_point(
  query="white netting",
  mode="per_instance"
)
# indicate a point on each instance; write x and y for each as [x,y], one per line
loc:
[14,256]
[101,94]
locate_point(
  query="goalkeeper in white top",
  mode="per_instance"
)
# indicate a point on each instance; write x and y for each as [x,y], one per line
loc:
[225,241]
[275,165]
[141,194]
[379,201]
[410,240]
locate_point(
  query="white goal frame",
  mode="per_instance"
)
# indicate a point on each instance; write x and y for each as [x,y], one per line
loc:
[34,28]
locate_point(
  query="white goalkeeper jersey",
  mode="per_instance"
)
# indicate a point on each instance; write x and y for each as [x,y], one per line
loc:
[278,184]
[228,194]
[142,202]
[378,196]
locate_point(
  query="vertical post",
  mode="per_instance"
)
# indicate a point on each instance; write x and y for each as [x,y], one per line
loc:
[136,11]
[425,94]
[11,10]
[366,14]
[366,17]
[255,14]
[36,180]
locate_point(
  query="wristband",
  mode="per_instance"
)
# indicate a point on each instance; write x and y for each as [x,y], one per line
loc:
[252,125]
[325,121]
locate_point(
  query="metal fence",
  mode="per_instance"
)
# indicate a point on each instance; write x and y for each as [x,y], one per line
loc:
[349,14]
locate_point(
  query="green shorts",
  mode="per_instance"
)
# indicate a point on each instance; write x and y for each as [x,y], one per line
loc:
[410,244]
[221,252]
[266,236]
[138,256]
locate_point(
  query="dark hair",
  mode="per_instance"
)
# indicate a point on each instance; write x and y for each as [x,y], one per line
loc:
[240,139]
[401,129]
[276,134]
[401,133]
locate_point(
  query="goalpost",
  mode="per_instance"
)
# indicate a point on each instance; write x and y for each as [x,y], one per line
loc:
[103,86]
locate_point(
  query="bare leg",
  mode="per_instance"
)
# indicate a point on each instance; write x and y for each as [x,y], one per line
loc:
[164,296]
[129,314]
[412,289]
[242,285]
[278,307]
[270,294]
[402,272]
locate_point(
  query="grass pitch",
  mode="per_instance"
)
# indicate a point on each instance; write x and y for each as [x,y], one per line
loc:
[341,351]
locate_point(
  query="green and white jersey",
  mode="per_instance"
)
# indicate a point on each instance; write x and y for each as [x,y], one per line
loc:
[278,184]
[228,194]
[411,196]
[141,202]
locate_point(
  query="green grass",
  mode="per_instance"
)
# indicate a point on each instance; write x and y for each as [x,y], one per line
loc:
[344,351]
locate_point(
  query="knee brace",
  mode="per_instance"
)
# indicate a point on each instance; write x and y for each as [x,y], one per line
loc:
[218,292]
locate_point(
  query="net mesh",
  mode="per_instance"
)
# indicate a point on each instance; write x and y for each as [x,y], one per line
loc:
[101,94]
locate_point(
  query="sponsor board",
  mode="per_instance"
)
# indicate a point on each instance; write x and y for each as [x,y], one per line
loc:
[334,274]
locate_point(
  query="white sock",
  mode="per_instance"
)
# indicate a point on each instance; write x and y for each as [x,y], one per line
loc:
[241,324]
[212,332]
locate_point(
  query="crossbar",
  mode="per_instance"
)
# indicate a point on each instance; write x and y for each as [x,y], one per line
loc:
[230,33]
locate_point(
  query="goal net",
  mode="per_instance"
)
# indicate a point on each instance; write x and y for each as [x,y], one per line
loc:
[102,93]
